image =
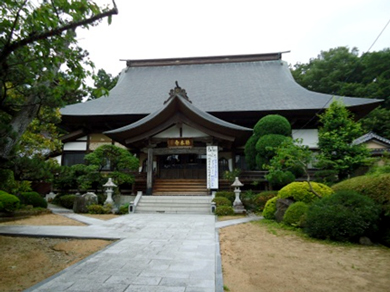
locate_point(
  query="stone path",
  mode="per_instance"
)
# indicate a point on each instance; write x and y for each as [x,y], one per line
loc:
[154,252]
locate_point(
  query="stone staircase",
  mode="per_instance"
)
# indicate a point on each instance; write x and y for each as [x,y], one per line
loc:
[174,204]
[179,187]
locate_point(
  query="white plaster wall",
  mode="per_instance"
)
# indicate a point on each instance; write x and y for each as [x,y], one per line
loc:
[174,132]
[309,137]
[75,146]
[85,138]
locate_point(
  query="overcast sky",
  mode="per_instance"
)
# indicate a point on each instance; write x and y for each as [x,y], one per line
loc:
[148,29]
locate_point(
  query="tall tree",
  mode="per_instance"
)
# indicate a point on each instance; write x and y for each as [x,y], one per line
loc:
[103,83]
[40,62]
[341,71]
[338,155]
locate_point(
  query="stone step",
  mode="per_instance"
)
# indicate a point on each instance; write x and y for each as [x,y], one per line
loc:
[174,204]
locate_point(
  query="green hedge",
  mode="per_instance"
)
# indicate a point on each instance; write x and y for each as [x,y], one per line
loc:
[377,187]
[228,195]
[224,211]
[124,209]
[99,209]
[300,191]
[222,201]
[8,203]
[344,216]
[33,198]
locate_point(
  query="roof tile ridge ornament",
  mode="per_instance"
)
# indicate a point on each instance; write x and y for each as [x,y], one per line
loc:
[178,91]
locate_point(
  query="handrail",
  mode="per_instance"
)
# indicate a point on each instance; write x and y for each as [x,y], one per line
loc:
[133,204]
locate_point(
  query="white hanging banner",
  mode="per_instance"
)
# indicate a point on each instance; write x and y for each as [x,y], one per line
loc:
[212,167]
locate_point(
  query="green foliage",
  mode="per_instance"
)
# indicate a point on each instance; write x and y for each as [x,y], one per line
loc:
[291,159]
[228,195]
[32,198]
[261,199]
[335,137]
[103,83]
[272,124]
[41,66]
[10,185]
[67,201]
[124,209]
[374,186]
[99,209]
[121,162]
[300,191]
[8,203]
[224,211]
[250,152]
[270,208]
[258,153]
[231,175]
[222,201]
[279,178]
[247,199]
[342,72]
[296,214]
[382,166]
[344,216]
[378,121]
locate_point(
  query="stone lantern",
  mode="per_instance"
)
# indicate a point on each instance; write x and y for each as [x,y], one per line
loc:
[109,191]
[238,207]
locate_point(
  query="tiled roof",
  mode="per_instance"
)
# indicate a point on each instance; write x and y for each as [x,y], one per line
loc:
[371,136]
[225,86]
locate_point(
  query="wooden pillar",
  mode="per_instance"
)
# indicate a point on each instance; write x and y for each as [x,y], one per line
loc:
[149,175]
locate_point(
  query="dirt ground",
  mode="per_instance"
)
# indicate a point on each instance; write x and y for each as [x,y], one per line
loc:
[28,261]
[256,258]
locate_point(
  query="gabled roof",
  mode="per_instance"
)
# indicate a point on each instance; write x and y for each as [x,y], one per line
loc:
[371,136]
[178,109]
[243,83]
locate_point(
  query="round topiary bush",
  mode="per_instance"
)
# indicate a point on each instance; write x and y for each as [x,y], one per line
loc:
[344,216]
[270,208]
[228,195]
[224,211]
[296,214]
[300,191]
[33,198]
[124,209]
[222,201]
[272,124]
[8,203]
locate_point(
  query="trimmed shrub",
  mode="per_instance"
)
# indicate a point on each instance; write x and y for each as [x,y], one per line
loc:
[296,214]
[279,179]
[222,201]
[224,211]
[96,209]
[67,201]
[300,191]
[374,186]
[8,203]
[344,216]
[270,208]
[124,209]
[228,195]
[261,199]
[272,124]
[33,198]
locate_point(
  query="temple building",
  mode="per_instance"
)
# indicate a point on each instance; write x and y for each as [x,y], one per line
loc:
[189,118]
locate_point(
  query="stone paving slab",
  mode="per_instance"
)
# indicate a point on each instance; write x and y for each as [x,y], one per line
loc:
[156,252]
